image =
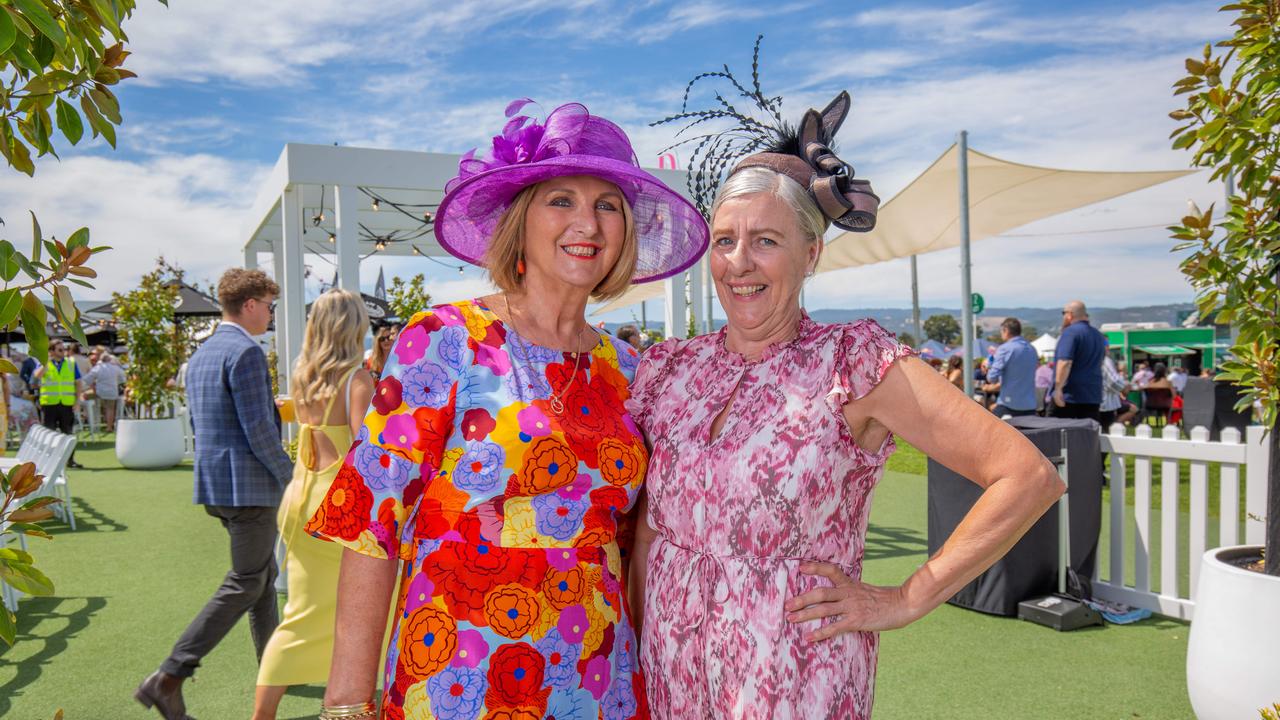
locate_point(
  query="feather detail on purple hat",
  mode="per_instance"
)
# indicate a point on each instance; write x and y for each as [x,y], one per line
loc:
[671,235]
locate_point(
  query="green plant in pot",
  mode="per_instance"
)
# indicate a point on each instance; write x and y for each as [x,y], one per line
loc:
[154,436]
[1231,111]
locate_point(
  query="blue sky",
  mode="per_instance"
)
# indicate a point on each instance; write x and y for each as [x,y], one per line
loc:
[223,85]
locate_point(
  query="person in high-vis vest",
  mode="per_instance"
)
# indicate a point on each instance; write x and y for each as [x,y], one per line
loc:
[60,386]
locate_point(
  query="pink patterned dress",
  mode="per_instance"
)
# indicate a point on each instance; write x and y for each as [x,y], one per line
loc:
[783,482]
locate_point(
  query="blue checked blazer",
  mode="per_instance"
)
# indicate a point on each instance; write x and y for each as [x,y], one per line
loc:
[239,459]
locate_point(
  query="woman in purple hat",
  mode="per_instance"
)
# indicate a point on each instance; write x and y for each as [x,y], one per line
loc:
[767,441]
[497,458]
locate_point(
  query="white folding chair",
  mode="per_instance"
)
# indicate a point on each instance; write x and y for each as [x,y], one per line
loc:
[34,447]
[55,480]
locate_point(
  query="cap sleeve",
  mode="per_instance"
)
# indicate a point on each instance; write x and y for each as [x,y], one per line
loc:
[865,354]
[401,444]
[650,380]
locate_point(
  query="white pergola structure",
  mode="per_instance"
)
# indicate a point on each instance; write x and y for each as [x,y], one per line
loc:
[319,199]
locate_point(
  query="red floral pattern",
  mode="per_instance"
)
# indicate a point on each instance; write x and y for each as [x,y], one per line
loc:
[498,565]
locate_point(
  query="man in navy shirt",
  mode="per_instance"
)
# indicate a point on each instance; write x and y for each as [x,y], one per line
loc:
[1013,372]
[1077,389]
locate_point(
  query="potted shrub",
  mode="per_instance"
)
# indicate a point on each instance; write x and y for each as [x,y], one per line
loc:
[154,436]
[1234,651]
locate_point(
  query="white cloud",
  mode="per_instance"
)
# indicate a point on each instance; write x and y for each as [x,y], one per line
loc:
[186,208]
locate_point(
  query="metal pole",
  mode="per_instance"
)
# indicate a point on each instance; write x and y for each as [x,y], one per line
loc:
[709,290]
[644,317]
[915,302]
[966,309]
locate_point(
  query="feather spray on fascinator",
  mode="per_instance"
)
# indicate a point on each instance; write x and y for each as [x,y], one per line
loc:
[805,153]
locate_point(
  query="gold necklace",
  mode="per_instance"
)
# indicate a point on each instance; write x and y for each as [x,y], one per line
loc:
[557,406]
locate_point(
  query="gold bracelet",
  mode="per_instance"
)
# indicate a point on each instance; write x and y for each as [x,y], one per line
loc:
[357,711]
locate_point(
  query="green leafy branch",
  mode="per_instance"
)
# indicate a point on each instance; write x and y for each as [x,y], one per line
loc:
[1230,128]
[18,517]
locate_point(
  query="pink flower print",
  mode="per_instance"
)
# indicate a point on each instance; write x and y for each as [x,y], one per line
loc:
[412,344]
[450,315]
[472,648]
[580,486]
[573,624]
[533,422]
[562,559]
[420,591]
[493,358]
[401,432]
[595,679]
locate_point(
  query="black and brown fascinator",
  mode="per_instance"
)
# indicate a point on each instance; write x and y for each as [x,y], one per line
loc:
[804,153]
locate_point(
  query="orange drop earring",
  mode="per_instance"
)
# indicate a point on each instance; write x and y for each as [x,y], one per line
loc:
[520,266]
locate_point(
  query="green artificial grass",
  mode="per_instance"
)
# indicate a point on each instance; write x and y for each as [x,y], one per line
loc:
[144,560]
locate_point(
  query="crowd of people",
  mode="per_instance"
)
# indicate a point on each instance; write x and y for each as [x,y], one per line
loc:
[71,389]
[1082,380]
[534,519]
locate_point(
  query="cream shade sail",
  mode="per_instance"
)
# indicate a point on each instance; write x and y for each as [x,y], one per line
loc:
[925,216]
[1003,195]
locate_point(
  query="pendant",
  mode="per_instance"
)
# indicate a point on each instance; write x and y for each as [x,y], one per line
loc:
[557,407]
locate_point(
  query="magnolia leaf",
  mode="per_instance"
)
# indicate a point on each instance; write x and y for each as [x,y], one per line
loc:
[8,628]
[36,237]
[69,122]
[107,75]
[35,12]
[7,367]
[26,578]
[66,306]
[8,33]
[106,103]
[79,238]
[8,266]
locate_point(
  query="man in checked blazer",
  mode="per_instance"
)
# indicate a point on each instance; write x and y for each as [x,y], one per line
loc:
[240,474]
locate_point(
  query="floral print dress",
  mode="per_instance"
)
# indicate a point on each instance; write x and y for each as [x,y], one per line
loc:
[505,516]
[783,482]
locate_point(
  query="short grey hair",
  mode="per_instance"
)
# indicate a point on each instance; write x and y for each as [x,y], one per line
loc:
[754,180]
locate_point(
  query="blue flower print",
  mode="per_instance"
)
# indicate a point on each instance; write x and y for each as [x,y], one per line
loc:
[480,467]
[562,660]
[625,648]
[382,471]
[558,516]
[452,345]
[457,693]
[426,385]
[619,703]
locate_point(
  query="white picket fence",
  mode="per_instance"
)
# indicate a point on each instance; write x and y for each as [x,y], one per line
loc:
[1167,452]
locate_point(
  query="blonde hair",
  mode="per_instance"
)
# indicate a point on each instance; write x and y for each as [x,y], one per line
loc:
[506,248]
[333,344]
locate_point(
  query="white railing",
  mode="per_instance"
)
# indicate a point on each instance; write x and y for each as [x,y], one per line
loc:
[1168,452]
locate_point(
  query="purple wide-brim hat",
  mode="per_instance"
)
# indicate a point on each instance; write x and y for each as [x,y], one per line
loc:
[670,233]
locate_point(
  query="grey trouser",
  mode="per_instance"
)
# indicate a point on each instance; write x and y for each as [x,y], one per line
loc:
[249,587]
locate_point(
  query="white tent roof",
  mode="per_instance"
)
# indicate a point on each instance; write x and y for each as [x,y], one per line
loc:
[1003,195]
[924,217]
[1045,345]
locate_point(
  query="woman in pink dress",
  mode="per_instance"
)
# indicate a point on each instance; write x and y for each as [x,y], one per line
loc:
[767,440]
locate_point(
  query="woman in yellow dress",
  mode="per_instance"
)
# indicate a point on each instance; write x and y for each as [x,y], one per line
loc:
[330,399]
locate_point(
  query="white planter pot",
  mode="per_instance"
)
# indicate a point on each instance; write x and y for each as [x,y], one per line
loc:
[149,444]
[1233,656]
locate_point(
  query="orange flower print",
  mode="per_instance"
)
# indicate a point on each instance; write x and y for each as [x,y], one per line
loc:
[621,464]
[548,465]
[344,513]
[428,638]
[512,610]
[564,588]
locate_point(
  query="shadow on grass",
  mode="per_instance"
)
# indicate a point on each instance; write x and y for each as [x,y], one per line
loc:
[88,519]
[314,692]
[891,542]
[72,614]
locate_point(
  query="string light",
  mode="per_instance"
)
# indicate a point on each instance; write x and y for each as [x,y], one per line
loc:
[332,238]
[428,216]
[381,245]
[460,272]
[376,203]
